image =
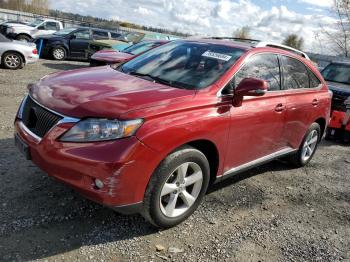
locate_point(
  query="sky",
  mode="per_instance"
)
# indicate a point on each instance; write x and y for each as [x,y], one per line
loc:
[269,20]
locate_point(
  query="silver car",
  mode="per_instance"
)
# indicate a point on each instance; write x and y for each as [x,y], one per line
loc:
[15,54]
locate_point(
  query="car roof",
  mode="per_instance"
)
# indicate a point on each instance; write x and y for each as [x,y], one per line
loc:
[94,28]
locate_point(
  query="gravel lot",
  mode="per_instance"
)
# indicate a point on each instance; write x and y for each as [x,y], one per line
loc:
[272,213]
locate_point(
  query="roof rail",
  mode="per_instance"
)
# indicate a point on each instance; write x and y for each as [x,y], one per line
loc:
[284,47]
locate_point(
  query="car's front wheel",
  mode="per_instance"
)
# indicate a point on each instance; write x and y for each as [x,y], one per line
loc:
[12,60]
[177,187]
[58,53]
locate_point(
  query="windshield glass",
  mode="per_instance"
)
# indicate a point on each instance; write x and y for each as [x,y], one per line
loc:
[65,31]
[140,47]
[131,37]
[337,73]
[36,22]
[184,64]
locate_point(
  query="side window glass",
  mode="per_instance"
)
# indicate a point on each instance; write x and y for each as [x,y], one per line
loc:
[82,34]
[99,35]
[295,74]
[314,81]
[51,26]
[265,67]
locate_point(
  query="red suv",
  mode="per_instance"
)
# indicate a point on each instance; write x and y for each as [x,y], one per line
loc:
[151,135]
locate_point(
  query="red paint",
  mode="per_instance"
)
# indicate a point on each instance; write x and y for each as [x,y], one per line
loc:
[261,125]
[111,56]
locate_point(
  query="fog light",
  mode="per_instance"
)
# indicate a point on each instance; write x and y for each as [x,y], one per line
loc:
[98,183]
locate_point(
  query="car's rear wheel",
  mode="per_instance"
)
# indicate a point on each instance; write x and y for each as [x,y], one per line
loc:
[12,60]
[58,53]
[177,187]
[23,38]
[308,146]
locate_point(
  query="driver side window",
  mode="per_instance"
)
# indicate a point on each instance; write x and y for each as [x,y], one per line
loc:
[263,66]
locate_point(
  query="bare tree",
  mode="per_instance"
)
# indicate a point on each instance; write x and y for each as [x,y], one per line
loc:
[294,41]
[338,34]
[243,32]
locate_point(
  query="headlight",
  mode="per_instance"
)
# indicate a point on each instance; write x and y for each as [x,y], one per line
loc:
[10,30]
[93,129]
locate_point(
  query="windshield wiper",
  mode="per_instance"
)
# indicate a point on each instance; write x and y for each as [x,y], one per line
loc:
[156,79]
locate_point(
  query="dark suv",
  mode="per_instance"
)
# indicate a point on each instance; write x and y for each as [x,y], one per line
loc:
[151,135]
[71,42]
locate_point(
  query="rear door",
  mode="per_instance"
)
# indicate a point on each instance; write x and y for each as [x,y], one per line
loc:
[258,125]
[79,43]
[303,99]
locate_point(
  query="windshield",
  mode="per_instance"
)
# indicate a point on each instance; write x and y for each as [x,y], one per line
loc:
[65,31]
[140,47]
[184,64]
[36,22]
[131,37]
[339,73]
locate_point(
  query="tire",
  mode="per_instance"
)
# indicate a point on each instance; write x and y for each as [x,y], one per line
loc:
[187,193]
[12,60]
[308,146]
[58,53]
[23,38]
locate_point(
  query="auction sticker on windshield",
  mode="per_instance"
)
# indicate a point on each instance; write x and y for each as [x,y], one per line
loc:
[216,55]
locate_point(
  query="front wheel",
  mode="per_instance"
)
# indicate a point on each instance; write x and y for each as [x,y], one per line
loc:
[12,60]
[23,38]
[177,187]
[308,146]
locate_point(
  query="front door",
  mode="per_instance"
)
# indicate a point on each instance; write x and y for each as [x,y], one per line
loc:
[79,43]
[257,127]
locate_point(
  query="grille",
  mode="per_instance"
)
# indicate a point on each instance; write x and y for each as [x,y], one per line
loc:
[38,119]
[338,100]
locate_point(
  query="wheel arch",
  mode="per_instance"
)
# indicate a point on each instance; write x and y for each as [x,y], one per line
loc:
[24,34]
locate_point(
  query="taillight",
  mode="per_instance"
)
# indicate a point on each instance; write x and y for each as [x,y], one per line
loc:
[35,51]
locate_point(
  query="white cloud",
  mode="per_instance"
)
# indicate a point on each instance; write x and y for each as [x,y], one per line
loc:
[207,17]
[321,3]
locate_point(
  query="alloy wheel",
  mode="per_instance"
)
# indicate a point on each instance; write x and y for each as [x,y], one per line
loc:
[12,61]
[58,54]
[309,145]
[181,189]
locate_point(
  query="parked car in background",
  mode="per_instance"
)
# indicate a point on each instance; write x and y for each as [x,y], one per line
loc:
[27,32]
[16,54]
[337,75]
[108,57]
[151,135]
[124,41]
[71,42]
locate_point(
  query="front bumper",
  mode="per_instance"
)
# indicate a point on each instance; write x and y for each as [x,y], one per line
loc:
[124,166]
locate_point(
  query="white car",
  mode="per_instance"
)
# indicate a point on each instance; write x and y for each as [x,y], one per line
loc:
[15,54]
[27,32]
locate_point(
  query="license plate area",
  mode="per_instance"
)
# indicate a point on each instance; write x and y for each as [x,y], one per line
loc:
[22,147]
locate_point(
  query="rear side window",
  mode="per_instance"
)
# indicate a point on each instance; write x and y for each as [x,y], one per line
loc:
[115,35]
[82,34]
[99,34]
[265,67]
[295,74]
[314,81]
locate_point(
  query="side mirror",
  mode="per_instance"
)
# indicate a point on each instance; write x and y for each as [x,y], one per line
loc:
[72,37]
[249,87]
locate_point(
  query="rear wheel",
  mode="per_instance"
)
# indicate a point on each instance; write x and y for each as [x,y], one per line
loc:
[58,53]
[23,38]
[308,147]
[12,60]
[176,188]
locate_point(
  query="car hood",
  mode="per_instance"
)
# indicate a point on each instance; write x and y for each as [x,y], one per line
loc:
[102,92]
[51,36]
[22,43]
[339,88]
[112,56]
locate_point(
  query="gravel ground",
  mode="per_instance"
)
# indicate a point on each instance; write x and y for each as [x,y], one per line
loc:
[271,213]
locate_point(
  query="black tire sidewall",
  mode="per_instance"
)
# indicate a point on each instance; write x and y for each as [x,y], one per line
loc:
[161,175]
[12,53]
[23,37]
[58,47]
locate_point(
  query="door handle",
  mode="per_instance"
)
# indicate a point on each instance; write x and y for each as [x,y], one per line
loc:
[279,108]
[315,102]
